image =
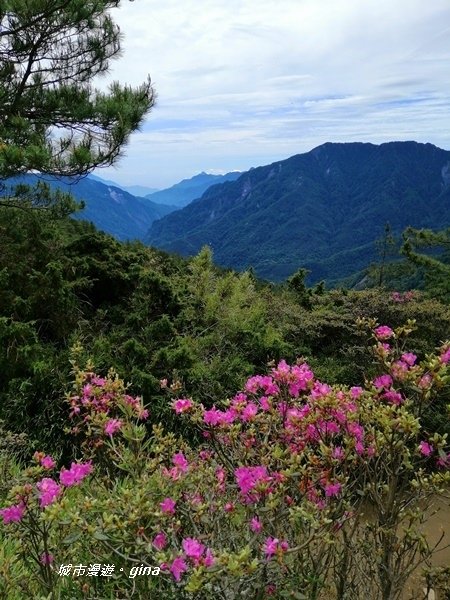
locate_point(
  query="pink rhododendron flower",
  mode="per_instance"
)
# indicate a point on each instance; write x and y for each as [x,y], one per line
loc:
[178,567]
[160,540]
[76,473]
[46,558]
[255,525]
[383,381]
[356,391]
[249,477]
[182,405]
[249,412]
[393,397]
[49,491]
[179,460]
[383,332]
[264,402]
[193,549]
[425,448]
[142,413]
[209,559]
[409,358]
[212,417]
[359,448]
[168,506]
[338,453]
[112,426]
[205,454]
[320,389]
[443,461]
[47,462]
[332,489]
[445,357]
[356,429]
[12,514]
[425,381]
[273,545]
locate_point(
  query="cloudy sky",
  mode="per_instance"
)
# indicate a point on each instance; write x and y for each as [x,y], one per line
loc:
[242,83]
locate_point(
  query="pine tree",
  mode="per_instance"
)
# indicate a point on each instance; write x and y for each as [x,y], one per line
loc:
[52,119]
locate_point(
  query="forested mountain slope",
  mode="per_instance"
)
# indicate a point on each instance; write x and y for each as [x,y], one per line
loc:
[321,210]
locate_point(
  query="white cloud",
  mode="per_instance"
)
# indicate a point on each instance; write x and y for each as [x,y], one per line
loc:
[248,82]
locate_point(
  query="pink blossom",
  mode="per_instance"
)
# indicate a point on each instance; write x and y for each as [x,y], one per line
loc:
[445,356]
[249,477]
[239,401]
[212,417]
[383,381]
[356,429]
[282,371]
[12,514]
[179,460]
[409,358]
[255,525]
[359,448]
[444,460]
[160,540]
[49,491]
[383,332]
[168,506]
[178,567]
[229,507]
[253,384]
[270,546]
[320,390]
[425,381]
[393,397]
[47,462]
[356,391]
[182,405]
[142,413]
[228,417]
[76,473]
[425,448]
[209,559]
[249,412]
[264,402]
[332,489]
[221,475]
[193,549]
[46,558]
[204,454]
[399,370]
[112,426]
[338,453]
[273,545]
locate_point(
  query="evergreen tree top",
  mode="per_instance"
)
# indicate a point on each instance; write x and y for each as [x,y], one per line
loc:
[52,118]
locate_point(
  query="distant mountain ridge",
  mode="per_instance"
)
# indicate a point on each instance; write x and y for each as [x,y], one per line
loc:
[182,193]
[321,210]
[110,208]
[134,190]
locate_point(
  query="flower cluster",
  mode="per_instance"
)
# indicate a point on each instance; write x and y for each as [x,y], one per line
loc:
[48,490]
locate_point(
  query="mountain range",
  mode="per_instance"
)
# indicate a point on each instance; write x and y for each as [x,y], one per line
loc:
[182,193]
[135,190]
[110,208]
[322,210]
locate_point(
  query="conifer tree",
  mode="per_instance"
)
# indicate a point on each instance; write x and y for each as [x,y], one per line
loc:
[52,118]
